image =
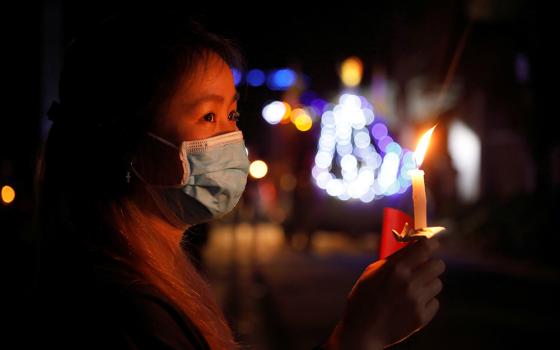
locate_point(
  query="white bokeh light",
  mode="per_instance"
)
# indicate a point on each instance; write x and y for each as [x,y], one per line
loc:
[464,149]
[389,170]
[335,187]
[368,115]
[345,146]
[348,162]
[323,179]
[362,139]
[274,112]
[323,159]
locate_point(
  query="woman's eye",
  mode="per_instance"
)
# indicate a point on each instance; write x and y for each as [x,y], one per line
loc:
[210,117]
[234,116]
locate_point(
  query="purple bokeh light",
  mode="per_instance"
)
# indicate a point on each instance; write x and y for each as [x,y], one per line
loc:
[379,131]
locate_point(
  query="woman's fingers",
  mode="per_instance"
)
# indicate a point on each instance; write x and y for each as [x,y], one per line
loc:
[425,284]
[430,291]
[432,308]
[420,251]
[416,252]
[396,296]
[427,271]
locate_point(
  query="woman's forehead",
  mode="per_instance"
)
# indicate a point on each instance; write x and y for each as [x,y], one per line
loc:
[211,75]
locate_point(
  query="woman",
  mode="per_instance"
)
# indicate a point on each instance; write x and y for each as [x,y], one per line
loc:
[144,144]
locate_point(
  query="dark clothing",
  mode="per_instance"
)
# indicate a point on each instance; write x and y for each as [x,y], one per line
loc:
[105,311]
[161,327]
[151,322]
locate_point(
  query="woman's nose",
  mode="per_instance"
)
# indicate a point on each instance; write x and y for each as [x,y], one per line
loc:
[226,125]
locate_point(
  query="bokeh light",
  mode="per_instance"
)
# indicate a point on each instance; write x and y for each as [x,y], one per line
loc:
[384,142]
[351,71]
[274,112]
[465,150]
[286,118]
[256,77]
[303,122]
[8,194]
[393,147]
[379,131]
[345,146]
[258,169]
[295,113]
[237,76]
[281,79]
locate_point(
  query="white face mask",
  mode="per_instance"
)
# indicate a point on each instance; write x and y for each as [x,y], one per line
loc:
[214,177]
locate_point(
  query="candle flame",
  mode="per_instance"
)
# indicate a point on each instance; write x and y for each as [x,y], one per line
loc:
[423,146]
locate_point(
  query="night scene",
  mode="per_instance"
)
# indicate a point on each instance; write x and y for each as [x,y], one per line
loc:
[270,176]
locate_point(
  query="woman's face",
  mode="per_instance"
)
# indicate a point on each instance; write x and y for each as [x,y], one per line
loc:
[204,105]
[200,108]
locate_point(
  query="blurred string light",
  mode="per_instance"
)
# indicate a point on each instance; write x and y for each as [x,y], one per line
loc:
[351,71]
[8,194]
[258,169]
[347,146]
[356,158]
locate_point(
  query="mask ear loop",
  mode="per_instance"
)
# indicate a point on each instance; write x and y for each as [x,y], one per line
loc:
[159,202]
[182,154]
[137,173]
[161,139]
[184,163]
[164,207]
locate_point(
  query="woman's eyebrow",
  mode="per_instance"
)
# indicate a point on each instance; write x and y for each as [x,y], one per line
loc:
[214,97]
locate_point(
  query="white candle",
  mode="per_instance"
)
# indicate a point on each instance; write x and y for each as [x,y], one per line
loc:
[419,199]
[418,187]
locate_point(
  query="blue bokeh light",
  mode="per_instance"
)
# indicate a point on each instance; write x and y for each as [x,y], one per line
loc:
[281,79]
[237,76]
[256,77]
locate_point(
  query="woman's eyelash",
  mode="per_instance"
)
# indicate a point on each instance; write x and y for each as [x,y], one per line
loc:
[234,116]
[209,117]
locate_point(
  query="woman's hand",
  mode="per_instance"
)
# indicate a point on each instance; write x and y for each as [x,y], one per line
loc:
[392,299]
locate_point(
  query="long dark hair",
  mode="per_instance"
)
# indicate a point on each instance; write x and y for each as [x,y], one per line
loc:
[115,83]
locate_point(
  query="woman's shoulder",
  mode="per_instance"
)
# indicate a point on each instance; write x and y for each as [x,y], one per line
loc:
[152,321]
[147,319]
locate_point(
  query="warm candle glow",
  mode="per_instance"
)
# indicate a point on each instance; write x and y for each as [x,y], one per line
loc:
[423,147]
[419,199]
[418,187]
